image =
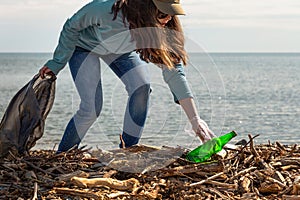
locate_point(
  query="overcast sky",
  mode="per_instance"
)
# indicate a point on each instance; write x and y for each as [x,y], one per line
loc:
[216,25]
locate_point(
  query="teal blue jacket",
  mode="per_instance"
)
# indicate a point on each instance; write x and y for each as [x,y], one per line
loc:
[93,29]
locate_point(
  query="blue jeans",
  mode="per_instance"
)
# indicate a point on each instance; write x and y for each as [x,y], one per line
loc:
[86,73]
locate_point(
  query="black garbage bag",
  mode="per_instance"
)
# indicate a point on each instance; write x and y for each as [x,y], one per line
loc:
[24,119]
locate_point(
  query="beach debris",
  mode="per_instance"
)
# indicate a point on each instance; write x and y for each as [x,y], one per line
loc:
[129,184]
[263,171]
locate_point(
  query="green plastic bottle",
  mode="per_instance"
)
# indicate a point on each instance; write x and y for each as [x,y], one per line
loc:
[207,149]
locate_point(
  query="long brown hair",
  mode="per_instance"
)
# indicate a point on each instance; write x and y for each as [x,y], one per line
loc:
[163,46]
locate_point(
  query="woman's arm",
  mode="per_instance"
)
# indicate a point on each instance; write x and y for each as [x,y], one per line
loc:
[182,93]
[199,126]
[85,17]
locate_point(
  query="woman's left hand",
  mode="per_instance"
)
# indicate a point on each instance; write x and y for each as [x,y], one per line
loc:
[45,71]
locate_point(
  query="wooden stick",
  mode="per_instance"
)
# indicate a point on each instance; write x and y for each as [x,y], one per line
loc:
[154,193]
[242,149]
[37,168]
[280,146]
[245,183]
[209,178]
[290,197]
[129,184]
[259,174]
[293,149]
[67,177]
[35,191]
[17,179]
[280,176]
[240,173]
[212,190]
[296,189]
[224,185]
[117,194]
[260,160]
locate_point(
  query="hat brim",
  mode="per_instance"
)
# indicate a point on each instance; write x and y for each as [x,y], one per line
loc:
[169,8]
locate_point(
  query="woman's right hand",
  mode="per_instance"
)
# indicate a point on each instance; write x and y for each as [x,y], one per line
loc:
[45,71]
[201,129]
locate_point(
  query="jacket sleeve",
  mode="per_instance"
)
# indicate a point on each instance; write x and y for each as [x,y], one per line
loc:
[85,17]
[176,80]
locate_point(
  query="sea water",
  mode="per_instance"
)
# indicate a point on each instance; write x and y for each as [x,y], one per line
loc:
[251,93]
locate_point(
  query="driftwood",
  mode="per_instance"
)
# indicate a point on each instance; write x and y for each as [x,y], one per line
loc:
[264,171]
[129,184]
